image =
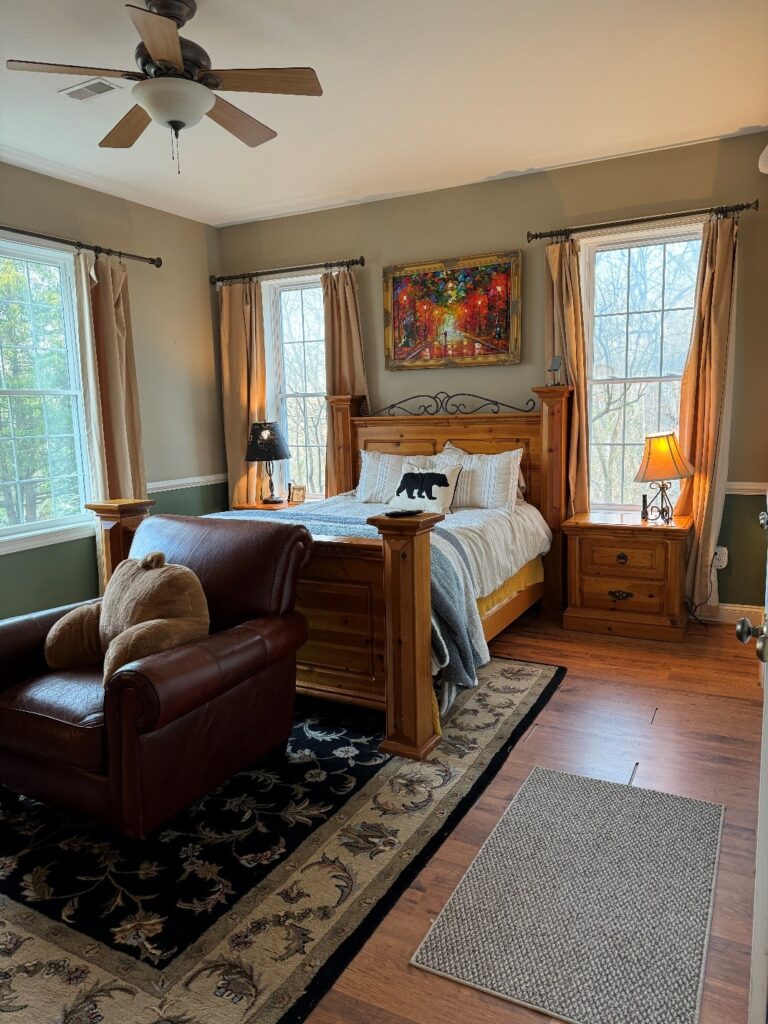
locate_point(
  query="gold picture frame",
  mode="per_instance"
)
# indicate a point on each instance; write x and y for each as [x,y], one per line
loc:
[453,313]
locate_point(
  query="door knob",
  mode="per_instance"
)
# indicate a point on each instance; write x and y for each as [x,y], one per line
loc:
[761,648]
[763,517]
[745,631]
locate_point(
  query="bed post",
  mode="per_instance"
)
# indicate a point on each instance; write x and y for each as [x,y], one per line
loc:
[119,521]
[341,409]
[555,402]
[408,651]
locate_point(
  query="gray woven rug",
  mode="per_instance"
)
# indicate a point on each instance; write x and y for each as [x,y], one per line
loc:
[590,901]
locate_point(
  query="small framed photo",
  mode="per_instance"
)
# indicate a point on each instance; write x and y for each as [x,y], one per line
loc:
[297,493]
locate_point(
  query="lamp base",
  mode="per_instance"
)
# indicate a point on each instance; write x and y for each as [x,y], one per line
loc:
[272,500]
[661,507]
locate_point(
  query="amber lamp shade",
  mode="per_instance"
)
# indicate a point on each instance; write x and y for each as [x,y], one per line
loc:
[663,459]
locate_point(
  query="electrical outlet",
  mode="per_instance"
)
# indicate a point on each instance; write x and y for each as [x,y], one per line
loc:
[720,561]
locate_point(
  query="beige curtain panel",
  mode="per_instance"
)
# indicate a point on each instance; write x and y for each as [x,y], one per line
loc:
[564,337]
[705,404]
[344,362]
[243,383]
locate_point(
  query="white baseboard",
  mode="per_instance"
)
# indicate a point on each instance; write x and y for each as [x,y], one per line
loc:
[182,483]
[729,613]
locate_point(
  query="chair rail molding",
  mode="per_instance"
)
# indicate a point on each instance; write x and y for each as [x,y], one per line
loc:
[746,487]
[184,482]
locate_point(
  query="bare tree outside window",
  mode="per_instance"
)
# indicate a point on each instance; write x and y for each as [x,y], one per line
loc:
[42,478]
[298,338]
[641,303]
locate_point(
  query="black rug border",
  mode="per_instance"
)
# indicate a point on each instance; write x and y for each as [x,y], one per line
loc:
[338,962]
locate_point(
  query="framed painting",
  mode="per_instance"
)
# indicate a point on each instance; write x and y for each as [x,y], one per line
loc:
[453,312]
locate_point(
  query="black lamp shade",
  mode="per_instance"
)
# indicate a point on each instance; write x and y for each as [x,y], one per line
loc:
[266,443]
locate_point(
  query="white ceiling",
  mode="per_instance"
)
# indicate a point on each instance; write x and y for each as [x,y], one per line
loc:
[419,94]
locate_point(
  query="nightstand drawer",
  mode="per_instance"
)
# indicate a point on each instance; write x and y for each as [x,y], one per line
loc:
[623,594]
[634,558]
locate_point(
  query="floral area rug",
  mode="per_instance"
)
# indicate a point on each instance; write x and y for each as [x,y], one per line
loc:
[247,906]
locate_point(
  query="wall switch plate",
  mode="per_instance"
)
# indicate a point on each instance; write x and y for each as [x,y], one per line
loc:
[720,561]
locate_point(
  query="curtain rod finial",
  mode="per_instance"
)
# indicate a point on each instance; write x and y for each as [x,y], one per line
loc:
[362,261]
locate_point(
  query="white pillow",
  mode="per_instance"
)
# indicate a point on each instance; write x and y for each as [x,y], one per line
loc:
[380,474]
[487,481]
[430,490]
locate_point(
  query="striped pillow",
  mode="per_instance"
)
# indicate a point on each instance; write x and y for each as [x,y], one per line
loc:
[487,481]
[380,474]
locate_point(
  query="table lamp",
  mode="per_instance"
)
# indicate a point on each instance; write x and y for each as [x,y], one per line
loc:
[267,444]
[663,460]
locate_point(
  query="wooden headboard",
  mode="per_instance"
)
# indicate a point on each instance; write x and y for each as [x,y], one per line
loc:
[542,435]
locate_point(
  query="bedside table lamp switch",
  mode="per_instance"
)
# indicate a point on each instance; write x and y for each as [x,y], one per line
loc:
[267,444]
[663,460]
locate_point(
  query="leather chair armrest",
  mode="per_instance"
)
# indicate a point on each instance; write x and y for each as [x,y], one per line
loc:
[22,644]
[161,688]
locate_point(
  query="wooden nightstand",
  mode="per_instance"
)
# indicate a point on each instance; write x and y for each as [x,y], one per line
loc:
[625,576]
[260,505]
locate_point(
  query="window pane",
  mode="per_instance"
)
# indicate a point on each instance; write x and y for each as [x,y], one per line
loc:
[669,412]
[5,417]
[293,369]
[677,340]
[294,414]
[7,461]
[605,472]
[611,281]
[36,501]
[9,505]
[315,358]
[610,342]
[642,412]
[62,456]
[48,324]
[317,419]
[290,315]
[67,500]
[297,472]
[60,414]
[314,324]
[644,345]
[15,324]
[13,279]
[52,370]
[315,471]
[680,275]
[18,368]
[27,416]
[44,283]
[32,458]
[607,412]
[646,277]
[633,456]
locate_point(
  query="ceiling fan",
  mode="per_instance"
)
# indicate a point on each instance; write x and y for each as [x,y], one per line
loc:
[175,85]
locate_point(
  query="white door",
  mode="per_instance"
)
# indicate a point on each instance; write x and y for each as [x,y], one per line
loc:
[758,996]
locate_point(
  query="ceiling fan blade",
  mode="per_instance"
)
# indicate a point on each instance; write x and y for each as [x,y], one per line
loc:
[127,130]
[238,123]
[70,69]
[160,35]
[290,81]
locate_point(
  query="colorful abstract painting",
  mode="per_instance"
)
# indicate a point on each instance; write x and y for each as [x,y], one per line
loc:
[453,313]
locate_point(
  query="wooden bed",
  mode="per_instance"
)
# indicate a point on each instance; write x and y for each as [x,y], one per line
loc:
[368,601]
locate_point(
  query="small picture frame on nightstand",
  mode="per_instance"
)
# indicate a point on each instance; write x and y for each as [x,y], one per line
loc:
[297,493]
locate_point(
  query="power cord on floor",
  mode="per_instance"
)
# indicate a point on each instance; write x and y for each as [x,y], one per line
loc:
[693,608]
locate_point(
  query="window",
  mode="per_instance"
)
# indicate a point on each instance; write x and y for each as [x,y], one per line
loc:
[638,301]
[42,465]
[296,350]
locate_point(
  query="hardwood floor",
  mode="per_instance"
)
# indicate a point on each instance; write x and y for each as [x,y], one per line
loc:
[684,718]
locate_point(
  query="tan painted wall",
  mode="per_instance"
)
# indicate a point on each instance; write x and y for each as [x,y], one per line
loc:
[496,215]
[170,308]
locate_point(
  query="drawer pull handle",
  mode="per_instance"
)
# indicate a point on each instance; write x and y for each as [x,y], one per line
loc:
[620,595]
[622,558]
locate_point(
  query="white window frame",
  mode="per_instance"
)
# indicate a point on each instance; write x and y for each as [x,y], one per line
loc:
[624,238]
[276,409]
[56,530]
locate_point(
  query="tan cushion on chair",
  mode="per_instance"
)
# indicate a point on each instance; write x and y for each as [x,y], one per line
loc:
[148,607]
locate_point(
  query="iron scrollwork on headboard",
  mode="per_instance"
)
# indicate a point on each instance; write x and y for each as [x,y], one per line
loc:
[451,405]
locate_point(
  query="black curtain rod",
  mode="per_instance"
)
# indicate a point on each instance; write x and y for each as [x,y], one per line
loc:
[156,261]
[253,275]
[717,211]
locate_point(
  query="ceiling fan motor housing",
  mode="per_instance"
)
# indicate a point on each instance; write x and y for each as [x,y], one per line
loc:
[196,61]
[179,11]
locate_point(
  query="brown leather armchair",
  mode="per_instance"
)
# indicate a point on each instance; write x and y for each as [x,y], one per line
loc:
[166,729]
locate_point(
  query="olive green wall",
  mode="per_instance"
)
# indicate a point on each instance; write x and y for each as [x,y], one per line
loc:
[60,574]
[743,581]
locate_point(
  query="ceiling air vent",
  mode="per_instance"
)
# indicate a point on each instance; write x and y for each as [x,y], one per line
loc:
[87,90]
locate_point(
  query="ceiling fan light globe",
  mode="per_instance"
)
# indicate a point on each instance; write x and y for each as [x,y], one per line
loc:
[178,100]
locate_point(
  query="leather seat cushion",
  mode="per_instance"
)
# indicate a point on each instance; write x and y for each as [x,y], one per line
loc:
[56,717]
